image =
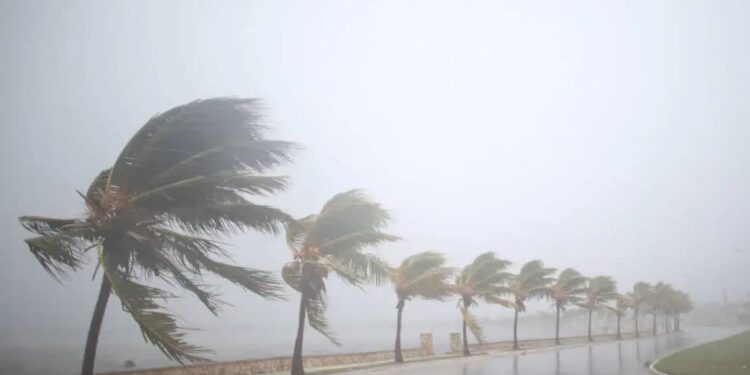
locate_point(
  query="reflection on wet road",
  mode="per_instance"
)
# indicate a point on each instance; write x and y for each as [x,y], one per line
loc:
[612,358]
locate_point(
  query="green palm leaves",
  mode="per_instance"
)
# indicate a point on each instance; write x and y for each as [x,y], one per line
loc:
[183,179]
[422,275]
[333,241]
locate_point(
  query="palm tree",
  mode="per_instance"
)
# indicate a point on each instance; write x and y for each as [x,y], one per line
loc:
[622,304]
[182,180]
[566,290]
[638,299]
[332,242]
[683,305]
[532,281]
[479,280]
[599,290]
[419,276]
[664,296]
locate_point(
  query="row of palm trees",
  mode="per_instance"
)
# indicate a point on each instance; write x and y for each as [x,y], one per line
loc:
[487,279]
[194,174]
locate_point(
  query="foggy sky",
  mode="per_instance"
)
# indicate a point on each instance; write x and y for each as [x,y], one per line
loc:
[609,137]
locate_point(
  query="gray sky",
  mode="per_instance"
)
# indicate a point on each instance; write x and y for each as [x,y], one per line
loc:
[607,136]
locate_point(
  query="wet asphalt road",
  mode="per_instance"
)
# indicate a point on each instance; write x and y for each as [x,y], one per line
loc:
[610,358]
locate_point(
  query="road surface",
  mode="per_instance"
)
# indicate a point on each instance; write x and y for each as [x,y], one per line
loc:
[627,357]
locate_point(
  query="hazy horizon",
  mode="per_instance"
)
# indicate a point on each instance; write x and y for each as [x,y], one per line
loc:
[608,137]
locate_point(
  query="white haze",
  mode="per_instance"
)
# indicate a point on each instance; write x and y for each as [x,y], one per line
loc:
[612,137]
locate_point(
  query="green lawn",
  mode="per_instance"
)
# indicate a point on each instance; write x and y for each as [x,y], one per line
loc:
[730,356]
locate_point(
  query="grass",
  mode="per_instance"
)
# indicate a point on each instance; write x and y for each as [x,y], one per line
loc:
[729,356]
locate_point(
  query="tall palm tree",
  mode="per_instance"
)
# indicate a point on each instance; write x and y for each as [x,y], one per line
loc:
[421,275]
[567,290]
[332,241]
[638,299]
[622,304]
[182,180]
[662,300]
[532,281]
[683,305]
[599,291]
[480,280]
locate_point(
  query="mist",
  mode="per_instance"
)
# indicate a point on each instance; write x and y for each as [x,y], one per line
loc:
[609,137]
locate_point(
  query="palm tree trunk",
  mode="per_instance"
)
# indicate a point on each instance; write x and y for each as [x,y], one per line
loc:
[591,311]
[654,314]
[399,356]
[677,322]
[89,355]
[515,330]
[619,333]
[557,325]
[666,323]
[466,339]
[297,365]
[637,333]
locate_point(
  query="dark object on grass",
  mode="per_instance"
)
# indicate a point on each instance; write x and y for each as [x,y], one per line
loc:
[129,364]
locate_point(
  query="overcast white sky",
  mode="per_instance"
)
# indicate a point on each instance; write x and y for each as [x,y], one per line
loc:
[607,136]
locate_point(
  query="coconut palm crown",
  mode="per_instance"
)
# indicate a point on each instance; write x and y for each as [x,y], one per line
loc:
[423,276]
[182,180]
[480,280]
[332,242]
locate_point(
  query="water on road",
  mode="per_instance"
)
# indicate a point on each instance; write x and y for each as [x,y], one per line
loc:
[611,358]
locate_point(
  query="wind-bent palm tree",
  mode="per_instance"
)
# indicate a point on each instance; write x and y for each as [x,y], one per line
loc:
[567,290]
[599,291]
[332,242]
[421,275]
[638,299]
[622,304]
[532,281]
[662,301]
[180,181]
[482,279]
[682,305]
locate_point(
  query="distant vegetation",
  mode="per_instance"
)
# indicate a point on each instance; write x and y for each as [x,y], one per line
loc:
[187,177]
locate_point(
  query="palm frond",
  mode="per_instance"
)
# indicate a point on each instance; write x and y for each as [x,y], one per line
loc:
[214,219]
[472,324]
[316,308]
[356,241]
[157,326]
[57,253]
[199,138]
[344,214]
[296,231]
[358,268]
[431,284]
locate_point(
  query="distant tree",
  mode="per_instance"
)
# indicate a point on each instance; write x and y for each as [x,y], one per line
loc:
[332,241]
[421,275]
[182,180]
[532,281]
[600,290]
[479,280]
[567,290]
[638,299]
[622,304]
[664,301]
[682,305]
